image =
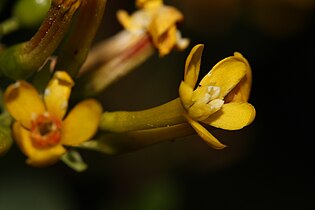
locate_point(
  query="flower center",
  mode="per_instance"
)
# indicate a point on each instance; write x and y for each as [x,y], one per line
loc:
[206,102]
[45,131]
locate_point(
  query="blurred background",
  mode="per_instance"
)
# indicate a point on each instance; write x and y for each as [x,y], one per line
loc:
[267,165]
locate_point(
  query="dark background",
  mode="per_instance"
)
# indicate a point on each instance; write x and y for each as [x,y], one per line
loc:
[267,165]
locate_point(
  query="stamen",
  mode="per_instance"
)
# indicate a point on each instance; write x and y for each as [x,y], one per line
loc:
[47,92]
[206,102]
[64,105]
[182,43]
[214,91]
[45,131]
[216,104]
[205,94]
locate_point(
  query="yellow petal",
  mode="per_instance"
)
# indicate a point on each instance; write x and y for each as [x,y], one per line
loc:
[242,91]
[226,74]
[185,94]
[57,94]
[124,19]
[166,42]
[232,116]
[205,134]
[163,29]
[81,123]
[36,157]
[23,102]
[192,65]
[149,4]
[201,111]
[136,23]
[164,19]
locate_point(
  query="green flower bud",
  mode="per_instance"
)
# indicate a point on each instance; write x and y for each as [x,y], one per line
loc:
[30,13]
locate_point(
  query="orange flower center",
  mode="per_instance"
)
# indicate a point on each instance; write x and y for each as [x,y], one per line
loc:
[45,131]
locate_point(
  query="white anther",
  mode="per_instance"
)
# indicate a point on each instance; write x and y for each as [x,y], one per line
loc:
[47,92]
[214,92]
[64,105]
[181,43]
[216,104]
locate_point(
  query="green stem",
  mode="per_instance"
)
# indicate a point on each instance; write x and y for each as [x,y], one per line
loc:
[167,114]
[117,143]
[8,26]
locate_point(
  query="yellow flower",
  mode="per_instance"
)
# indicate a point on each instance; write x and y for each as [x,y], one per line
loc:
[159,21]
[220,99]
[40,129]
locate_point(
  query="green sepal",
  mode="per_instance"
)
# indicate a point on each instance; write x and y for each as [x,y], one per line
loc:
[13,65]
[74,160]
[5,138]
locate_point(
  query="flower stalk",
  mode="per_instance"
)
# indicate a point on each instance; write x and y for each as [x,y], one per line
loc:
[111,60]
[119,143]
[165,115]
[75,49]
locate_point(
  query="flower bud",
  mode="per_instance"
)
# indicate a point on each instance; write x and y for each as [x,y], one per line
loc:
[30,13]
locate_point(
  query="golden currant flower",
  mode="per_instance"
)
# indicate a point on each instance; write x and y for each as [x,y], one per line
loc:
[159,21]
[40,129]
[220,99]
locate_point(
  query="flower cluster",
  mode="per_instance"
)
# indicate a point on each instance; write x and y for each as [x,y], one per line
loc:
[159,21]
[47,82]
